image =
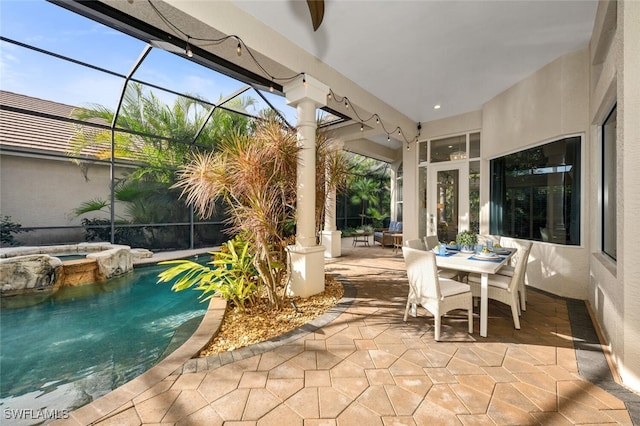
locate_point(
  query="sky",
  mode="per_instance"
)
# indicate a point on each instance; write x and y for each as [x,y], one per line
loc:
[52,28]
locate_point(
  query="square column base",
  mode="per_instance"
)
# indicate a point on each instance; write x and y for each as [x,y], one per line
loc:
[307,270]
[332,240]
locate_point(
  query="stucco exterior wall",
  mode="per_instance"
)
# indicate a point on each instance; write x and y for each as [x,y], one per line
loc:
[614,285]
[452,126]
[629,97]
[550,104]
[38,191]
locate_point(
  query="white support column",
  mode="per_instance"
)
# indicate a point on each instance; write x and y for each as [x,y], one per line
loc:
[331,237]
[307,260]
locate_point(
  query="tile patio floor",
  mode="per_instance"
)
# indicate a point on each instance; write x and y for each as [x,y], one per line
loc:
[365,366]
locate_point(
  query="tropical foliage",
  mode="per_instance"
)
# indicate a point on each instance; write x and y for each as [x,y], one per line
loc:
[364,191]
[256,177]
[332,174]
[368,191]
[7,228]
[157,139]
[252,174]
[232,274]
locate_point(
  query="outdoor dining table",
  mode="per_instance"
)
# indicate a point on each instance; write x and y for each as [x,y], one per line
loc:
[469,262]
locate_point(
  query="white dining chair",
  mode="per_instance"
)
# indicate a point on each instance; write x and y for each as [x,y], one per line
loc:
[483,239]
[435,294]
[417,244]
[430,242]
[504,288]
[508,270]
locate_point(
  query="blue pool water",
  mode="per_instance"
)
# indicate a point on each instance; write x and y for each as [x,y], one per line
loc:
[88,340]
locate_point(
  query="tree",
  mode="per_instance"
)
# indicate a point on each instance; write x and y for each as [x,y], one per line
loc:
[332,173]
[256,177]
[377,171]
[253,175]
[364,192]
[159,139]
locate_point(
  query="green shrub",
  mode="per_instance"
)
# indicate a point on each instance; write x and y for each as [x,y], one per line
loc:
[7,228]
[232,274]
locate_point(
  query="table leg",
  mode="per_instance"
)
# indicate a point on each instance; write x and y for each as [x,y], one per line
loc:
[484,303]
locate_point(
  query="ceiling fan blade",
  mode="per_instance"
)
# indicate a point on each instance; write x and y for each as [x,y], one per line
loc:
[316,7]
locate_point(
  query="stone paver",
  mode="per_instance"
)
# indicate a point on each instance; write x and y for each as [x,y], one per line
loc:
[367,367]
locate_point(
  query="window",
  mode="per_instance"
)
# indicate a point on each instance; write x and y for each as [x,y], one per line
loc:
[474,196]
[422,207]
[609,169]
[535,194]
[399,185]
[474,145]
[449,149]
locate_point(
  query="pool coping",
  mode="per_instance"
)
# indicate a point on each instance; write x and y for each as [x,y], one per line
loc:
[121,397]
[185,359]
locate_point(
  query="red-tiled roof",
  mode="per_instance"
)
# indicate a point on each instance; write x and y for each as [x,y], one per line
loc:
[38,131]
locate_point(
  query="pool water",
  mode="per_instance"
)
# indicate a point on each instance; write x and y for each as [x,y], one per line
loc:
[86,341]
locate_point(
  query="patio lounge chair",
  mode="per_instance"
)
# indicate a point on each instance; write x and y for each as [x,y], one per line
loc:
[384,236]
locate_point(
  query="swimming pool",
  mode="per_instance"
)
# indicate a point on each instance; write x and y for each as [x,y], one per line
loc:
[86,341]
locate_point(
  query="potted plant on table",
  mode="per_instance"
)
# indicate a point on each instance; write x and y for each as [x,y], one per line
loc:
[467,241]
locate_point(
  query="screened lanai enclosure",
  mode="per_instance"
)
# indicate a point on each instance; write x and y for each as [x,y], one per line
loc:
[95,124]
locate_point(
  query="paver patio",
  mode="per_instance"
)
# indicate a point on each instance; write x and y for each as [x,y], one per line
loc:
[365,366]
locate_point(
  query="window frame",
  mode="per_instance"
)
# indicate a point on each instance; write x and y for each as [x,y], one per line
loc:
[574,238]
[608,195]
[424,164]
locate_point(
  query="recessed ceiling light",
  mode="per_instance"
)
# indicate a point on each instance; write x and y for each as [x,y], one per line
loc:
[436,106]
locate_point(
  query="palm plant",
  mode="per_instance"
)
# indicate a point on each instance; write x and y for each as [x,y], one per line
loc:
[365,191]
[255,176]
[159,135]
[159,138]
[232,274]
[332,173]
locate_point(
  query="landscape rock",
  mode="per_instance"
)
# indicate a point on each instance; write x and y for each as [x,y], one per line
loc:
[30,273]
[113,262]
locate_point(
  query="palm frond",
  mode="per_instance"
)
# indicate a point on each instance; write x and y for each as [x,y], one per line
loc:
[93,205]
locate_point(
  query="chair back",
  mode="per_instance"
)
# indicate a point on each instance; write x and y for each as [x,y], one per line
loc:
[415,244]
[430,241]
[422,273]
[484,238]
[521,265]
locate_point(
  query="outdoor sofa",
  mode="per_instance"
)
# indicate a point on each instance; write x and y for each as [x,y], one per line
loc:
[384,236]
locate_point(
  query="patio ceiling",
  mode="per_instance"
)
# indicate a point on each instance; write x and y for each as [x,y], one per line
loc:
[417,54]
[407,55]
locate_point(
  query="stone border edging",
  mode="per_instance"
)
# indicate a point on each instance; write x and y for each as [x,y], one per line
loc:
[220,359]
[590,356]
[120,399]
[591,359]
[77,248]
